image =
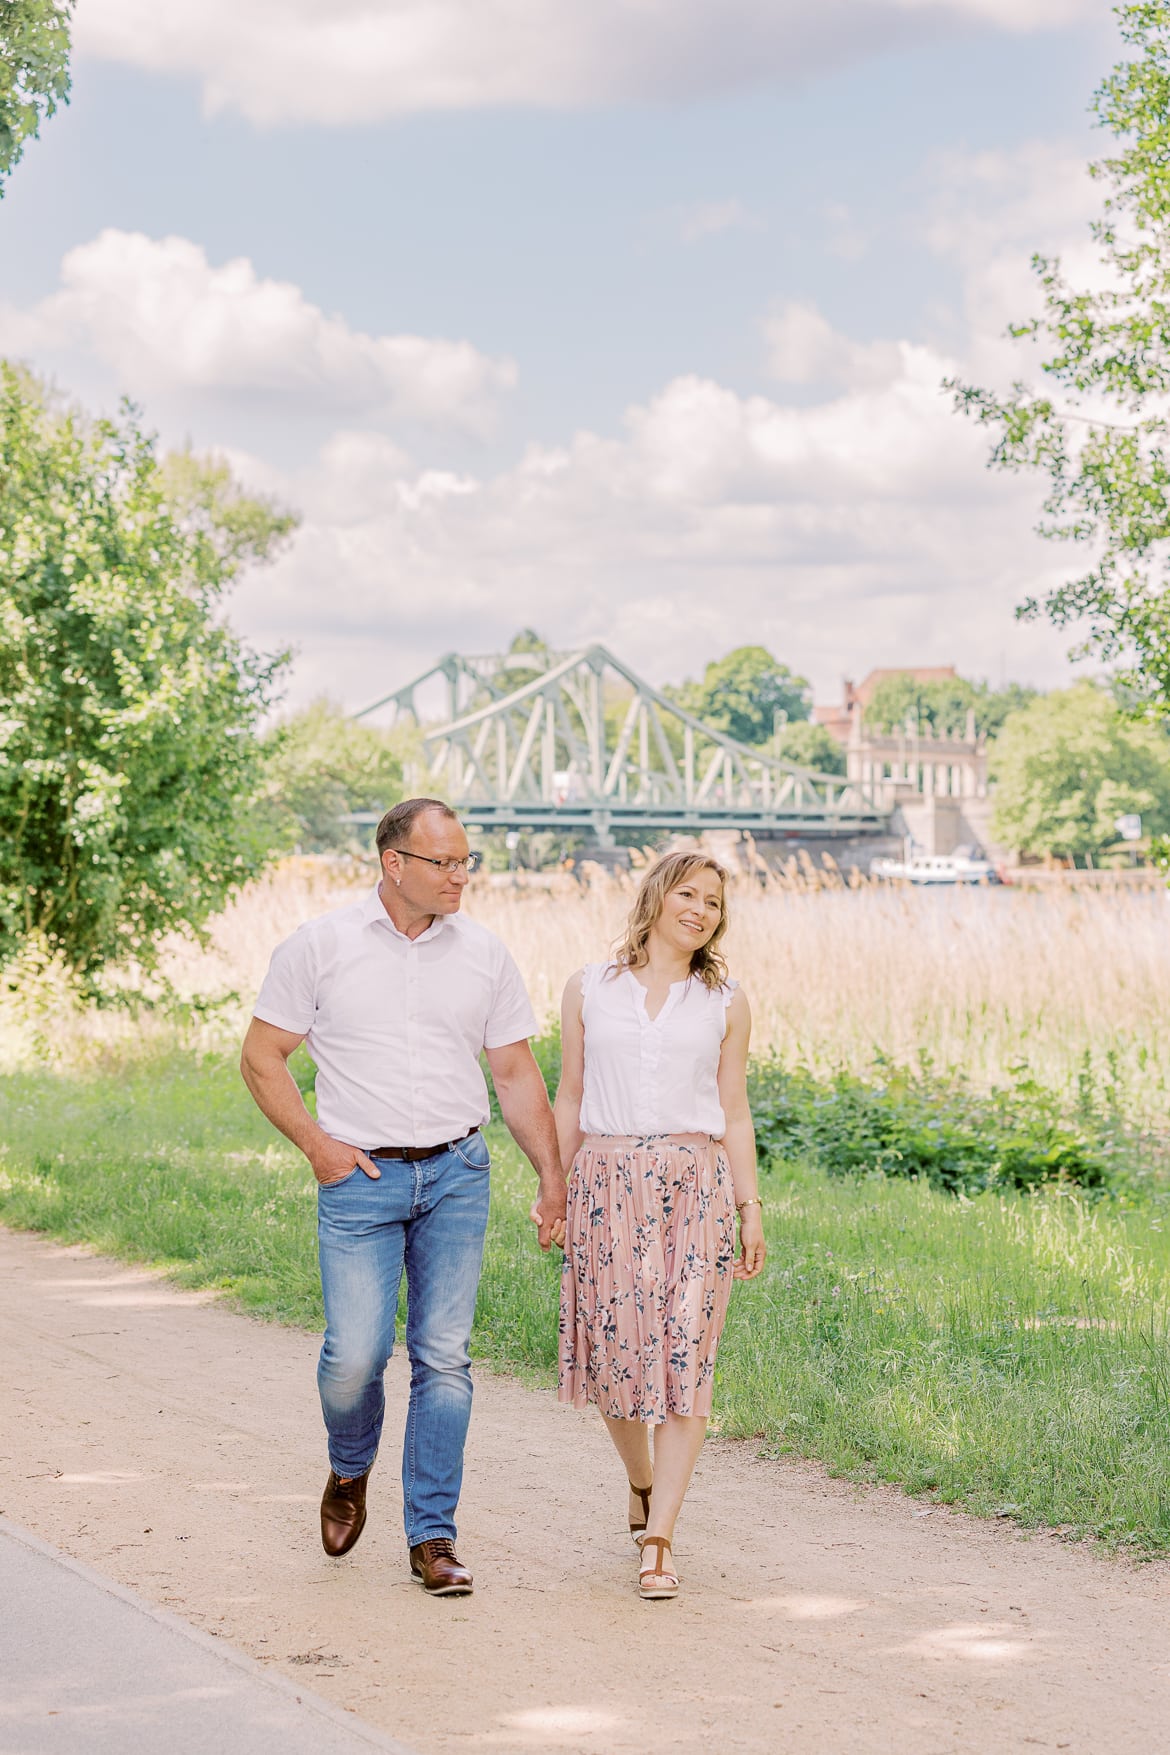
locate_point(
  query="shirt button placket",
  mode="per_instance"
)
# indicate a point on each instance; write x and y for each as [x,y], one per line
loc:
[411,1081]
[651,1061]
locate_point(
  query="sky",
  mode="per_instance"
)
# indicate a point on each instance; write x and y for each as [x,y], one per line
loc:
[625,320]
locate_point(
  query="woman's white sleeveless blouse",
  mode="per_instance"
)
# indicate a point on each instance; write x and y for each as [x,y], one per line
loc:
[648,1075]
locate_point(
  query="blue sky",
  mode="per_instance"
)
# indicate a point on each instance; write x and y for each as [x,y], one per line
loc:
[622,320]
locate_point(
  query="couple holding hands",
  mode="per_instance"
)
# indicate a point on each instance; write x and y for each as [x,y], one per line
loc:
[645,1163]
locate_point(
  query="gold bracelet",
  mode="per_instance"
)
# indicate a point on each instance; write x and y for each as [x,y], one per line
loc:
[753,1200]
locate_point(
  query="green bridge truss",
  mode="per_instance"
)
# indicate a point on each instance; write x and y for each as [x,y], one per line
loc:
[586,744]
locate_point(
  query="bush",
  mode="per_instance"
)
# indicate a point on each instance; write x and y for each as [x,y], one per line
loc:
[929,1126]
[919,1124]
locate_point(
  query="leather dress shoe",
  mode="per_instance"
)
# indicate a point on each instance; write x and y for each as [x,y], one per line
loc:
[437,1567]
[343,1512]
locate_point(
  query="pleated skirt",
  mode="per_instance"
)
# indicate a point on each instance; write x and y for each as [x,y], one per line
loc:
[649,1253]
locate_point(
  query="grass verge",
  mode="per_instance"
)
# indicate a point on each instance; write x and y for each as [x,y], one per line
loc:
[1007,1351]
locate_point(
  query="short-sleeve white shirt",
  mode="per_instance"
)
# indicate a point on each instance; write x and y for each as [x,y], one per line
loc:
[396,1024]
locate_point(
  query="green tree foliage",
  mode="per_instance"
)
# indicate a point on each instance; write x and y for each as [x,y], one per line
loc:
[322,767]
[203,495]
[811,746]
[34,71]
[528,640]
[1100,431]
[128,751]
[518,676]
[743,692]
[943,704]
[1069,764]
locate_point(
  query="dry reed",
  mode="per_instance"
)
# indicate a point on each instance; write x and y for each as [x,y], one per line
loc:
[978,979]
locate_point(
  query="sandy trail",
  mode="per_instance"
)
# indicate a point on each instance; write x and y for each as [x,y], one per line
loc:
[176,1446]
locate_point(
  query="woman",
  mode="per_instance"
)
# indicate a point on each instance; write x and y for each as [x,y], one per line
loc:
[652,1115]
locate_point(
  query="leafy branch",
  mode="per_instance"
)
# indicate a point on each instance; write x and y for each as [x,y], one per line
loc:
[1108,351]
[34,71]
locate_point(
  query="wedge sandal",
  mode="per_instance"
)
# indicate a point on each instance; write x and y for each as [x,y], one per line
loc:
[657,1583]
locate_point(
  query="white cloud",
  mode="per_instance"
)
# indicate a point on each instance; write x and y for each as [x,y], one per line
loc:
[353,61]
[989,212]
[848,237]
[859,531]
[857,528]
[706,219]
[1036,196]
[165,319]
[804,348]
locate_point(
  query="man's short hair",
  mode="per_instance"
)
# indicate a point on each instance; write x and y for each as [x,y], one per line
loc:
[395,827]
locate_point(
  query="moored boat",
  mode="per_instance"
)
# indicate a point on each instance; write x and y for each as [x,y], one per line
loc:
[963,866]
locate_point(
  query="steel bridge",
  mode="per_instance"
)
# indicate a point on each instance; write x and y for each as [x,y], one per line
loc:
[576,741]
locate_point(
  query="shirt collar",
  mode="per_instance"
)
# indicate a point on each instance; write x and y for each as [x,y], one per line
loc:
[373,914]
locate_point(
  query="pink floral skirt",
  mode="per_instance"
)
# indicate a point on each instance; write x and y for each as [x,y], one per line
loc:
[647,1275]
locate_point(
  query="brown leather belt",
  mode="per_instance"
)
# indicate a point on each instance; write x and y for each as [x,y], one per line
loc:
[412,1154]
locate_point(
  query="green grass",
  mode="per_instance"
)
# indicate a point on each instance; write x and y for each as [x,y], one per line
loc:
[167,1161]
[1007,1351]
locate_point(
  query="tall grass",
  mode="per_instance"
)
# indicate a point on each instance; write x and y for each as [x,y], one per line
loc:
[1008,1353]
[1061,980]
[977,979]
[164,1160]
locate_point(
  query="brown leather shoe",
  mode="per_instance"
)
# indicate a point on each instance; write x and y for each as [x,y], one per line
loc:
[343,1512]
[436,1566]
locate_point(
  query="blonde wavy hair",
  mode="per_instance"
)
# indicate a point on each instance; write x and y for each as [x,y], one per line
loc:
[667,874]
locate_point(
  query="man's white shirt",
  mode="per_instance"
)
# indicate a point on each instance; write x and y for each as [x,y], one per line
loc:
[396,1025]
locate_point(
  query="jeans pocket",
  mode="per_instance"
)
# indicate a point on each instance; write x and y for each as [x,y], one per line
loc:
[473,1152]
[339,1181]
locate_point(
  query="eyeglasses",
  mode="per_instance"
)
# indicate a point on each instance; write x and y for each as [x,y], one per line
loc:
[471,864]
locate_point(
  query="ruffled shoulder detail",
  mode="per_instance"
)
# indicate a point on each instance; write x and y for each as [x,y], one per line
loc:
[591,974]
[728,991]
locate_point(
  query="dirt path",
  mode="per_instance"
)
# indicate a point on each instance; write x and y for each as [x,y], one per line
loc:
[176,1446]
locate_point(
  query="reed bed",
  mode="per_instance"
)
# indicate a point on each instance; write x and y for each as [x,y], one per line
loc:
[1072,983]
[1069,982]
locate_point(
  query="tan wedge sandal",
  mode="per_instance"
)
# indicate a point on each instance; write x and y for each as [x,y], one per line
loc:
[638,1530]
[667,1585]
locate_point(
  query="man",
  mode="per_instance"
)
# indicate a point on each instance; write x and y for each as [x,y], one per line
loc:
[395,997]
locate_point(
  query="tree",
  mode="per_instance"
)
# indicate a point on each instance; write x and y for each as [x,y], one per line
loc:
[34,71]
[811,746]
[203,495]
[129,755]
[322,767]
[943,703]
[744,692]
[1069,764]
[518,676]
[1100,435]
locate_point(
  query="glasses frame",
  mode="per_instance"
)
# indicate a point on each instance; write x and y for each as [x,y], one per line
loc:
[470,865]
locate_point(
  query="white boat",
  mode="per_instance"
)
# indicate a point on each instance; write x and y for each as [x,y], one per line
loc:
[963,866]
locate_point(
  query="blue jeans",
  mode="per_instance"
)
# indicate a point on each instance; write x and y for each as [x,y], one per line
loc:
[429,1217]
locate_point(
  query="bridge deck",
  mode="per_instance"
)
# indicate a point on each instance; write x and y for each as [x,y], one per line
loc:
[604,820]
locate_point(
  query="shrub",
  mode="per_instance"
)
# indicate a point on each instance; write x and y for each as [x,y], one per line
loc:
[930,1126]
[920,1124]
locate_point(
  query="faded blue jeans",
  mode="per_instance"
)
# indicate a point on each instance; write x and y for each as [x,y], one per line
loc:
[428,1217]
